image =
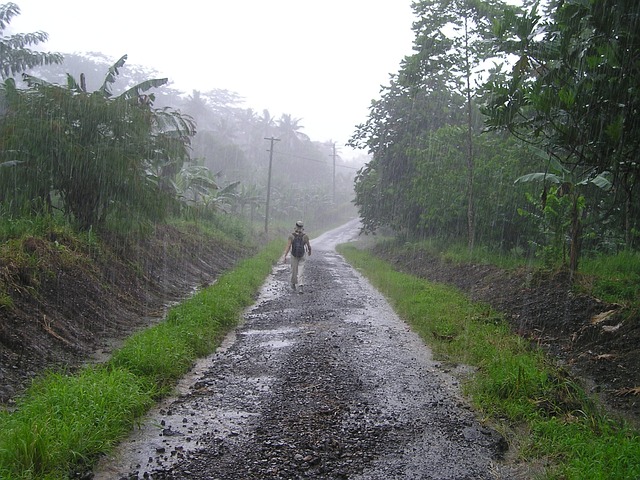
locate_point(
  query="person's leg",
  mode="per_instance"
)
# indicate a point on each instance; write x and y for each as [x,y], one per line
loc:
[294,271]
[301,273]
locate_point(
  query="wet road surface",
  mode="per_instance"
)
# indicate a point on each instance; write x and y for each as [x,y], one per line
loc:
[328,384]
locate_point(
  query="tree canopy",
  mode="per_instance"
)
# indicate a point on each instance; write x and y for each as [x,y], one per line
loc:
[496,92]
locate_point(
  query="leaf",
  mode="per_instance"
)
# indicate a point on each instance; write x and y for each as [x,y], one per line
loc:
[553,162]
[135,91]
[538,177]
[601,317]
[110,79]
[72,84]
[602,182]
[35,81]
[567,96]
[615,129]
[229,188]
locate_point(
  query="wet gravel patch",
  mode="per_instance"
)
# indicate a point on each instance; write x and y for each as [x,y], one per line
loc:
[328,384]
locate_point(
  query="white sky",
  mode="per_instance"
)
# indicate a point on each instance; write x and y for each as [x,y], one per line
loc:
[320,61]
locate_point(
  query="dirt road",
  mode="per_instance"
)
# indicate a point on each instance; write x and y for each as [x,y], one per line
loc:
[328,384]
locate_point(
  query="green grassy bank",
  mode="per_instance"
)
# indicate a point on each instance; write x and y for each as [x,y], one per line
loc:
[64,422]
[515,386]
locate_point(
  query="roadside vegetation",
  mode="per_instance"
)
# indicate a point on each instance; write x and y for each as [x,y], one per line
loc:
[610,277]
[64,422]
[532,158]
[515,386]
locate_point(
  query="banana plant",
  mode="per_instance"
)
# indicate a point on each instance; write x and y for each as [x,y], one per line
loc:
[195,182]
[97,152]
[572,186]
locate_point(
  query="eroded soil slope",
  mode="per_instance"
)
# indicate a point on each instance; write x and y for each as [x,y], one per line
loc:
[70,305]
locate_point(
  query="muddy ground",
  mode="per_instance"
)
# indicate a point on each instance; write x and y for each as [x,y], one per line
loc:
[325,384]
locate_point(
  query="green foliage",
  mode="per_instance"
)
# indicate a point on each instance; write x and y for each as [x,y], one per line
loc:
[511,381]
[433,92]
[613,278]
[16,55]
[54,226]
[156,354]
[89,152]
[561,113]
[384,193]
[606,451]
[549,241]
[563,209]
[64,421]
[228,147]
[573,92]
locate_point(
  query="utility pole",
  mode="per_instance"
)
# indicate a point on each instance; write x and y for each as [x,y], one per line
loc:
[266,214]
[334,172]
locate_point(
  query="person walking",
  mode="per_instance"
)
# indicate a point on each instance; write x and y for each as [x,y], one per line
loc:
[298,244]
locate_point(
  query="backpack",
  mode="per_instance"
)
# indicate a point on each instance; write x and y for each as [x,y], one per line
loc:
[297,245]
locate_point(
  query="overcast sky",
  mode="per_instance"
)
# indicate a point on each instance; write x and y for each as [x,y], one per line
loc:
[320,61]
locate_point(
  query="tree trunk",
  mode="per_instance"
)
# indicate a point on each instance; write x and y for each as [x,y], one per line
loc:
[627,221]
[576,238]
[470,163]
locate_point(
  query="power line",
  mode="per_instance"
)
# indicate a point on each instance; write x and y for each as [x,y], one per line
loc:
[291,155]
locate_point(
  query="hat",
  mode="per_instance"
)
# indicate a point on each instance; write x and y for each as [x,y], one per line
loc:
[299,224]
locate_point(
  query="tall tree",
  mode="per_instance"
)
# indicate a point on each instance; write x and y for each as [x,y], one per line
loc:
[460,28]
[434,87]
[15,54]
[290,131]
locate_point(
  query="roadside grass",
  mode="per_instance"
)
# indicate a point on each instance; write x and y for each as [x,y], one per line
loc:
[35,225]
[613,278]
[63,422]
[514,384]
[458,252]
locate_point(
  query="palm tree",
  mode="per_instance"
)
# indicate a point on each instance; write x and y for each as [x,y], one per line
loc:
[251,196]
[266,123]
[289,130]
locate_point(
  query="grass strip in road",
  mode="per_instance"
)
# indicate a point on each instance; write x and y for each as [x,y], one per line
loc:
[64,422]
[512,380]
